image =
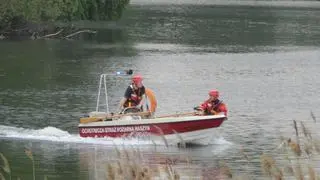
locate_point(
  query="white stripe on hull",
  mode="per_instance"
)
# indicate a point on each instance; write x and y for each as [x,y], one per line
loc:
[151,121]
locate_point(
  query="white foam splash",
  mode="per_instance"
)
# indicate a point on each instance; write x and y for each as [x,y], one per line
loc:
[52,131]
[221,141]
[58,135]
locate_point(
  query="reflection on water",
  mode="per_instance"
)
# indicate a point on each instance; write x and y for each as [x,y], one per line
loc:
[251,3]
[90,161]
[207,25]
[152,161]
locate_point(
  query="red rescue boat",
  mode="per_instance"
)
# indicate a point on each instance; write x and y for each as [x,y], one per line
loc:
[187,127]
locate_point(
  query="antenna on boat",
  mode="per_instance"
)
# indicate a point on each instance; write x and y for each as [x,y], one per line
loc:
[126,72]
[103,79]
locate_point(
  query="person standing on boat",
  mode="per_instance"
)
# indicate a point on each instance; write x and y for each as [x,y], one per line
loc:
[213,105]
[134,95]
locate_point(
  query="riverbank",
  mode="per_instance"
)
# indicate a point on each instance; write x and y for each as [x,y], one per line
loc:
[32,31]
[37,20]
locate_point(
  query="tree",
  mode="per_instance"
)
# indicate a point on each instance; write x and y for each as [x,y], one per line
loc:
[17,14]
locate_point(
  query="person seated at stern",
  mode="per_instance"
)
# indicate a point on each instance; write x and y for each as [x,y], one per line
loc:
[213,105]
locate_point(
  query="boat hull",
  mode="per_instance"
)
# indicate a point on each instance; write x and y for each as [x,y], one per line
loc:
[190,128]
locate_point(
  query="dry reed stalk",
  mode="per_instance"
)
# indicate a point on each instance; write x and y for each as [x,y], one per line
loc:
[313,116]
[156,171]
[182,142]
[154,143]
[299,173]
[289,170]
[295,147]
[188,161]
[133,151]
[117,150]
[28,152]
[6,166]
[131,172]
[282,145]
[305,131]
[169,172]
[139,154]
[244,154]
[143,174]
[278,174]
[110,172]
[121,168]
[162,135]
[134,171]
[286,156]
[225,170]
[140,176]
[312,173]
[147,173]
[308,149]
[120,177]
[242,177]
[126,153]
[316,144]
[267,164]
[282,138]
[2,176]
[296,130]
[176,176]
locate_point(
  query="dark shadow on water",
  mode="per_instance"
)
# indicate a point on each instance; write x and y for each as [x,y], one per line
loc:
[192,145]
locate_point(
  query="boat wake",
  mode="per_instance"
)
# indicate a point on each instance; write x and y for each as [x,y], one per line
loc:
[54,134]
[57,135]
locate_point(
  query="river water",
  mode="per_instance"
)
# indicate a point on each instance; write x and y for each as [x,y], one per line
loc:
[264,59]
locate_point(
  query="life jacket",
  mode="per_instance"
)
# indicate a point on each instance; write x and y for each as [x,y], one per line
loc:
[134,98]
[217,106]
[151,103]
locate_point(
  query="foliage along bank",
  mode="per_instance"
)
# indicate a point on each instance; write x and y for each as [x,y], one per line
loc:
[38,18]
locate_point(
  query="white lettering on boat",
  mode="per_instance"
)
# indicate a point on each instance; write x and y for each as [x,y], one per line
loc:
[142,134]
[111,129]
[123,129]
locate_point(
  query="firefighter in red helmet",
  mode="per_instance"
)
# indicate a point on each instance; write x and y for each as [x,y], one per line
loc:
[134,94]
[213,105]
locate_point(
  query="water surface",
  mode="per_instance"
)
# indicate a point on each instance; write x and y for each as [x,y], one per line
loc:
[263,59]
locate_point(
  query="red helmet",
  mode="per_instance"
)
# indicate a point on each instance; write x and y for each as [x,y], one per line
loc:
[214,93]
[137,79]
